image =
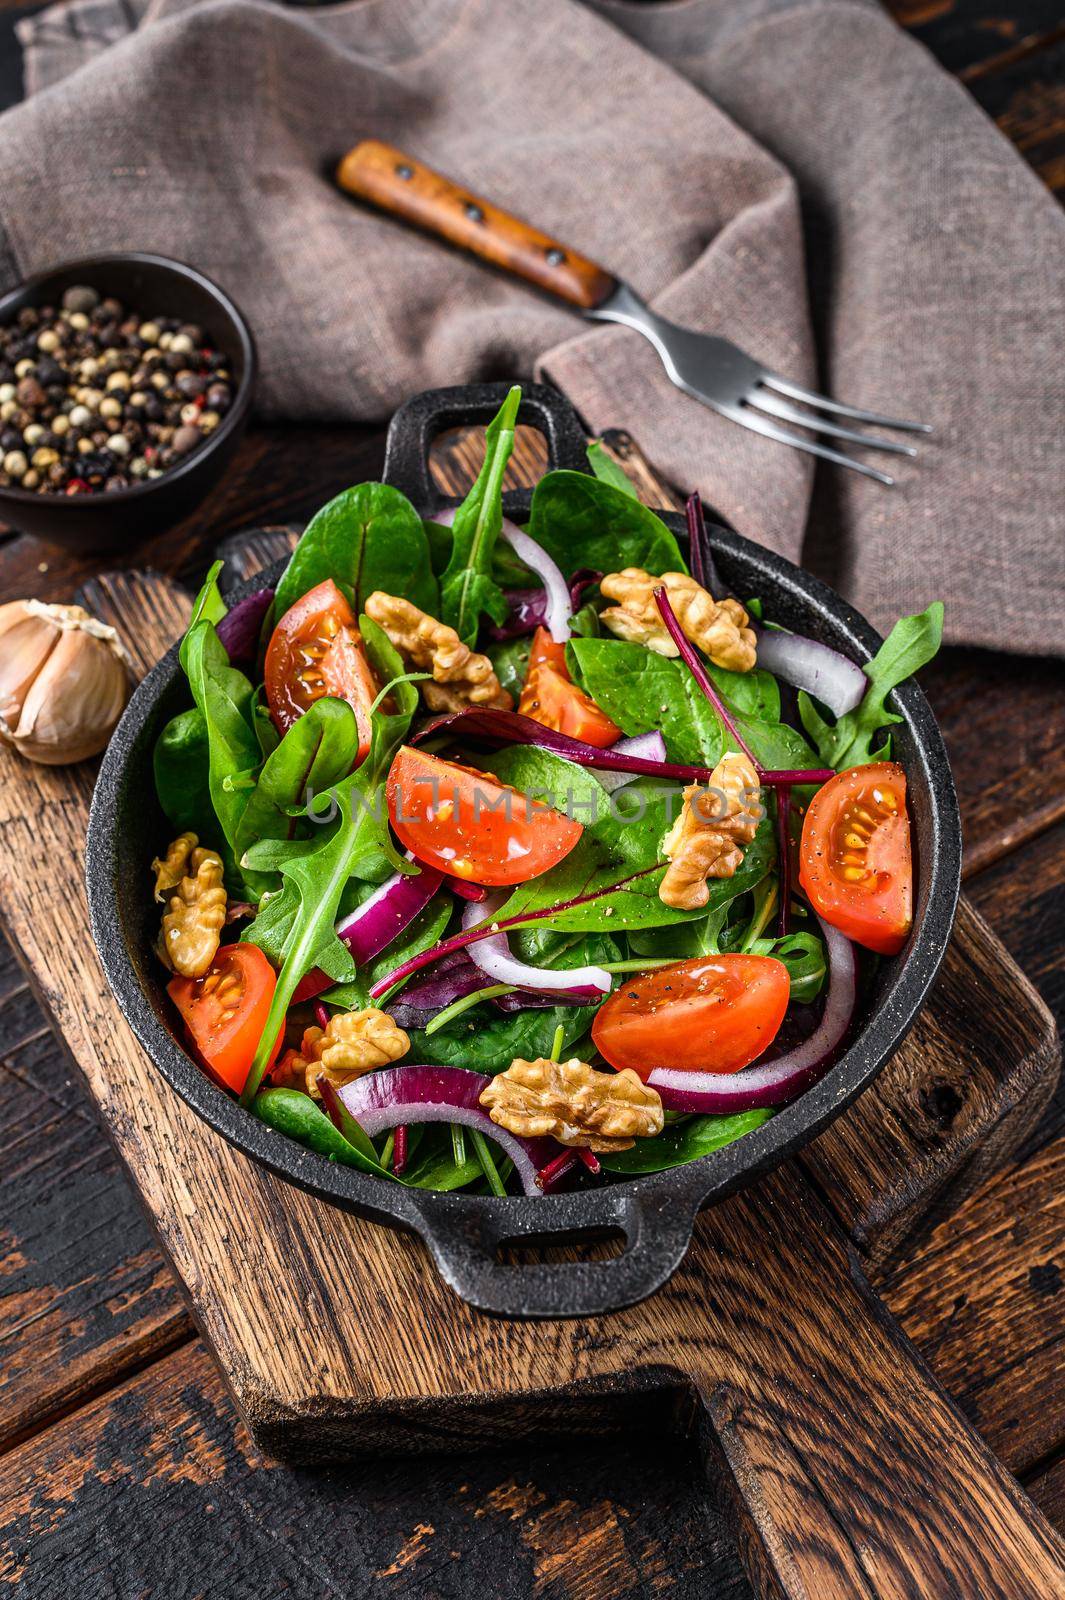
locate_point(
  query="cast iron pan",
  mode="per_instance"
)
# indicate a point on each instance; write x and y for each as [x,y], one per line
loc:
[463,1232]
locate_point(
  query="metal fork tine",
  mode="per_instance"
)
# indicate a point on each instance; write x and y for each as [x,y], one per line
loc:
[762,424]
[795,391]
[765,401]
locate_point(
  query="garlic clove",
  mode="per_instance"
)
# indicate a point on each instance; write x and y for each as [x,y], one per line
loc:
[70,710]
[26,642]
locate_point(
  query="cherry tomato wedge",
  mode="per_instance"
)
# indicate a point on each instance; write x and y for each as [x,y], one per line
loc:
[710,1014]
[855,863]
[225,1011]
[470,825]
[551,697]
[316,650]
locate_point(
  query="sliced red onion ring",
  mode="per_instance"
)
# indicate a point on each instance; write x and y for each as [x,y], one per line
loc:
[390,908]
[557,609]
[645,746]
[493,956]
[807,664]
[239,629]
[777,1082]
[401,1095]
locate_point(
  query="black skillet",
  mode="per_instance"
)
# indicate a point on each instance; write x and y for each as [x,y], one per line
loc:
[463,1232]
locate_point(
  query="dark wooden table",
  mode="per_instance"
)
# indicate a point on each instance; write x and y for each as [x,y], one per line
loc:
[135,1478]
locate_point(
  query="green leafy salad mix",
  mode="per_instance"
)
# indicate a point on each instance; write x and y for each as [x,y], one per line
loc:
[511,859]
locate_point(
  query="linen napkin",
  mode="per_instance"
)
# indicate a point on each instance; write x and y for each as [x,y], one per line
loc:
[798,175]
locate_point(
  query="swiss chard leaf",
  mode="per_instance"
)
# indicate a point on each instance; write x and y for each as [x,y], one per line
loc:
[684,1141]
[852,741]
[606,468]
[582,521]
[467,588]
[368,538]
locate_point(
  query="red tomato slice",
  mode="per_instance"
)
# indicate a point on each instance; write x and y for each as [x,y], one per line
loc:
[855,863]
[711,1014]
[551,696]
[470,825]
[225,1011]
[316,650]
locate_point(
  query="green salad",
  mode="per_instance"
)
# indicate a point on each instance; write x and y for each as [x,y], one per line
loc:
[512,859]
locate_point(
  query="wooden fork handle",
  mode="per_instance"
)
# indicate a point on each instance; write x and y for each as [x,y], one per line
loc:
[407,188]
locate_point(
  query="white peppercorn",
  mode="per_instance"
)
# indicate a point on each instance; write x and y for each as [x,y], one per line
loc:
[15,464]
[118,444]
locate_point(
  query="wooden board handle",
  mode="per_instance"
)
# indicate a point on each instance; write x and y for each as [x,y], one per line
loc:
[407,188]
[850,1469]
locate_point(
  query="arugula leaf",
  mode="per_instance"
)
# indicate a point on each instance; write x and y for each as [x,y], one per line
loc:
[208,606]
[467,588]
[368,538]
[583,522]
[224,698]
[804,956]
[314,754]
[684,1141]
[606,468]
[910,645]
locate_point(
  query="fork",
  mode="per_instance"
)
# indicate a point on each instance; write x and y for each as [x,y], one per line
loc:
[710,369]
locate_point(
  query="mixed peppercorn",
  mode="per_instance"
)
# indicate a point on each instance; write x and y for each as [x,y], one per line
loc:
[94,397]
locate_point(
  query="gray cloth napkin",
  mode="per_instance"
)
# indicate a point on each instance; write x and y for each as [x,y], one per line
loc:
[796,174]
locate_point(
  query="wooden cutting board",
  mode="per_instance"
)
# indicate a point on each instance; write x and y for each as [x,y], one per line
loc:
[849,1471]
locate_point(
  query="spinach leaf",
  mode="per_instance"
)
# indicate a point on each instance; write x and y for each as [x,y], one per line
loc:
[467,588]
[368,538]
[487,1041]
[511,661]
[439,1170]
[686,940]
[208,606]
[224,698]
[181,762]
[439,541]
[910,645]
[684,1141]
[606,468]
[315,753]
[643,692]
[583,522]
[295,1114]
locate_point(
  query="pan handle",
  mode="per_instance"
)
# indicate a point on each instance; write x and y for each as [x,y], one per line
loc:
[417,423]
[465,1243]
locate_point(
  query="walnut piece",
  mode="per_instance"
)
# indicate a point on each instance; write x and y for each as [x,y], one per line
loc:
[573,1103]
[717,626]
[170,869]
[460,678]
[707,838]
[355,1042]
[195,912]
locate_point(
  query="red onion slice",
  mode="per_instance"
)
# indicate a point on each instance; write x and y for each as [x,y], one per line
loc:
[644,746]
[776,1082]
[558,606]
[401,1095]
[240,628]
[807,664]
[373,925]
[492,955]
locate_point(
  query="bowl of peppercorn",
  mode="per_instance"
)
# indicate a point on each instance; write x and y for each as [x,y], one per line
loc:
[126,382]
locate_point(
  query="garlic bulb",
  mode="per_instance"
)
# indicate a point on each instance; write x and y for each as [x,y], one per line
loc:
[63,681]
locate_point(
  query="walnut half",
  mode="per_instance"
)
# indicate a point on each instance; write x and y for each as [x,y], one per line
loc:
[460,678]
[196,911]
[355,1042]
[707,839]
[720,627]
[573,1103]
